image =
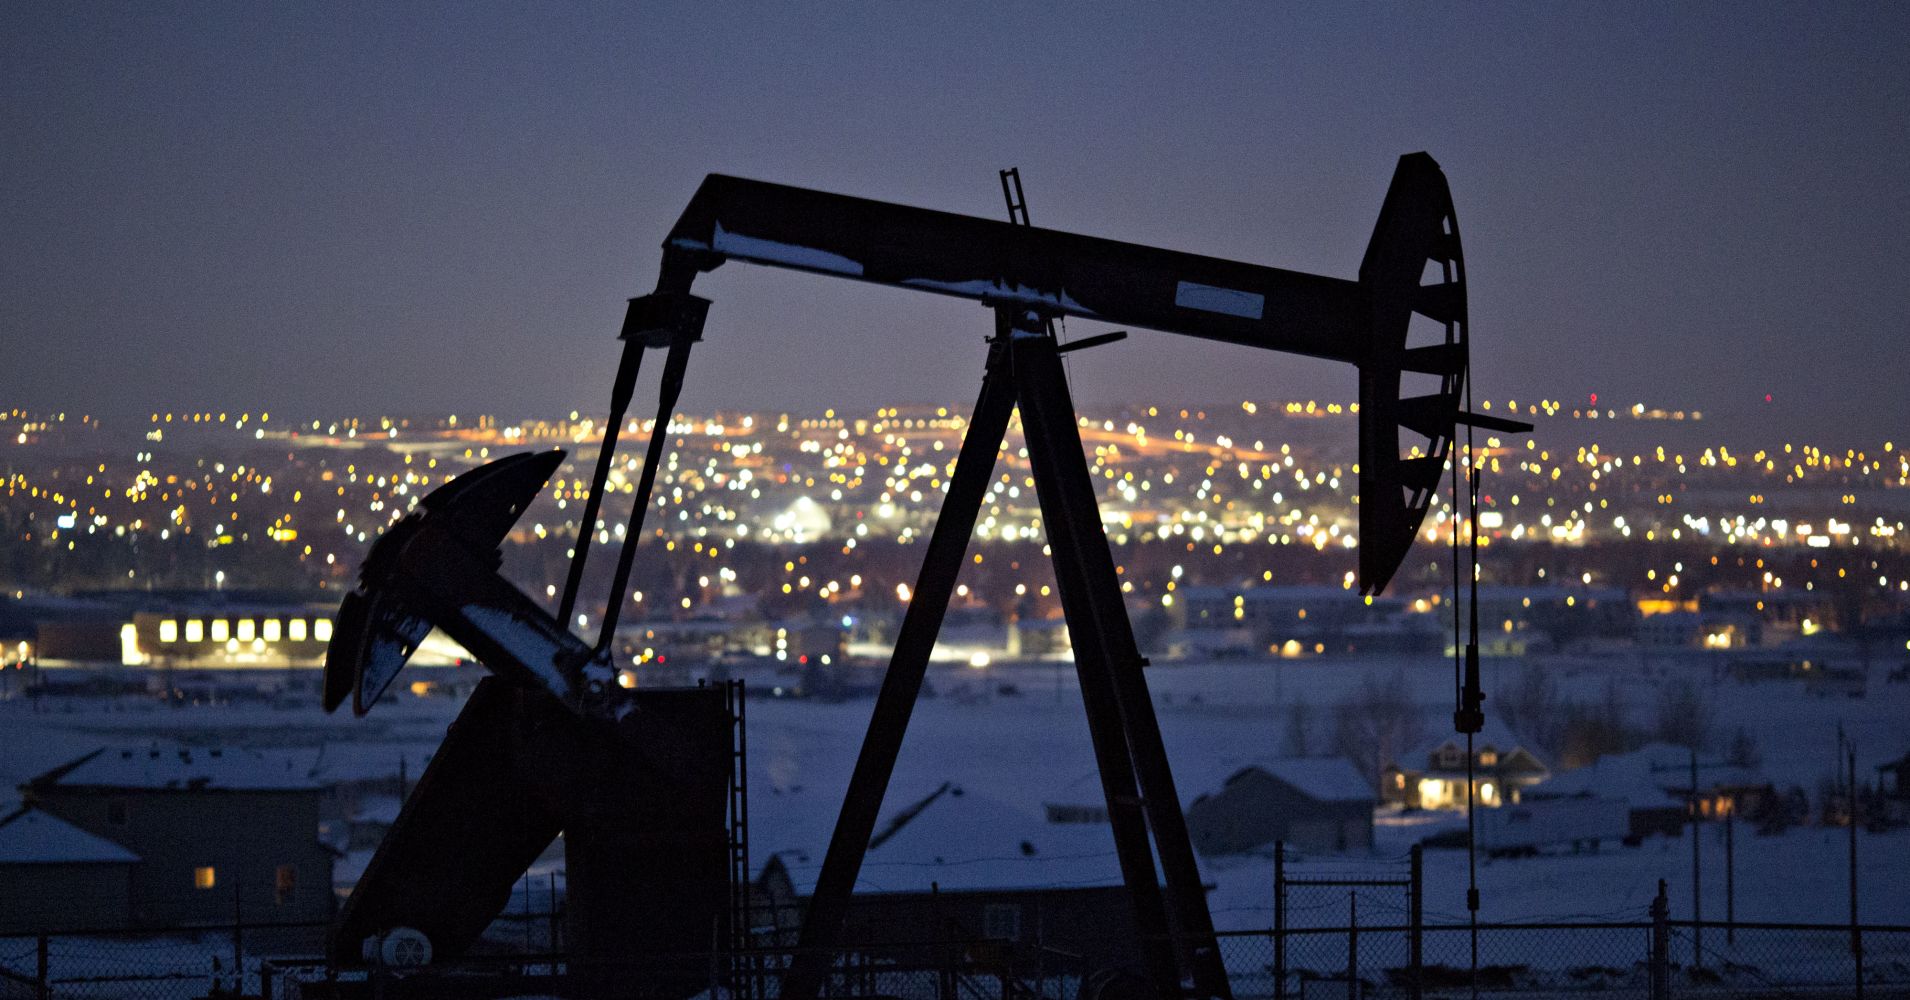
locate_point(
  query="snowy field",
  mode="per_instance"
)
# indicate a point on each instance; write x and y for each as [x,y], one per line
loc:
[1010,753]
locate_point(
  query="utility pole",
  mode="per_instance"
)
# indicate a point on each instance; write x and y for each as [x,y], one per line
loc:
[1856,932]
[1730,875]
[1697,896]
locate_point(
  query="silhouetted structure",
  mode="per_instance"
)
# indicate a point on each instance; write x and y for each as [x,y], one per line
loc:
[1402,323]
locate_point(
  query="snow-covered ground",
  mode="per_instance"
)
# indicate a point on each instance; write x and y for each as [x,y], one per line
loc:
[1011,753]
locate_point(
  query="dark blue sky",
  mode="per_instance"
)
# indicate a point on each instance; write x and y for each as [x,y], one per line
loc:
[359,208]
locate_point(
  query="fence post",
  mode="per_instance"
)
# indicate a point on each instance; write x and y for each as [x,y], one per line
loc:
[238,941]
[1730,875]
[1353,944]
[1417,917]
[1856,932]
[1279,920]
[1659,959]
[553,914]
[40,969]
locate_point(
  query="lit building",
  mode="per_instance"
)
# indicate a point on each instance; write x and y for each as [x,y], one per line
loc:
[1435,776]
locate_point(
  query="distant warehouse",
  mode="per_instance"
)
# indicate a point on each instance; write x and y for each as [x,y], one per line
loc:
[200,629]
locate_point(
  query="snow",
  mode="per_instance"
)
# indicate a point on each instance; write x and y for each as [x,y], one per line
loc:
[1644,777]
[155,767]
[997,289]
[33,837]
[787,254]
[1010,754]
[965,840]
[1323,779]
[1227,301]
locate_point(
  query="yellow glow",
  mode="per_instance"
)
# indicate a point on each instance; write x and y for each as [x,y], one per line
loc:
[129,654]
[248,630]
[221,630]
[295,630]
[195,630]
[269,630]
[322,629]
[169,631]
[204,877]
[978,661]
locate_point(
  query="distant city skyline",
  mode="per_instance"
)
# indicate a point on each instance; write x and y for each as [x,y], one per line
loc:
[316,210]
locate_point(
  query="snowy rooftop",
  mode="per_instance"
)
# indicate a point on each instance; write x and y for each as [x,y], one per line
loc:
[962,840]
[1324,779]
[1644,777]
[181,767]
[1494,734]
[33,837]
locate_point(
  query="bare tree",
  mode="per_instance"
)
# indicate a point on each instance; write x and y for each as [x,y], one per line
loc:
[1297,741]
[1744,752]
[1531,707]
[1377,724]
[1594,729]
[1684,716]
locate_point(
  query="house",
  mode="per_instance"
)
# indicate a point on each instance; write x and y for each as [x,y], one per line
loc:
[1434,776]
[960,866]
[215,833]
[1316,804]
[1655,782]
[56,876]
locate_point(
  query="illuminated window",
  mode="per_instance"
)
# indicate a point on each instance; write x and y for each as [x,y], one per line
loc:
[295,630]
[221,630]
[248,630]
[195,630]
[269,630]
[169,631]
[285,884]
[322,629]
[1487,758]
[204,877]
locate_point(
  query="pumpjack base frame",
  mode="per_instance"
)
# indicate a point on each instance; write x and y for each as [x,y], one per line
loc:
[1177,943]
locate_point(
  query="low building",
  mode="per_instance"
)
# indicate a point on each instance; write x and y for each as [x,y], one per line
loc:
[1655,782]
[1435,775]
[1314,804]
[217,834]
[56,876]
[958,867]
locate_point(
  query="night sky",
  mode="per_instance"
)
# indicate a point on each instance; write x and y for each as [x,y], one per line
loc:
[322,210]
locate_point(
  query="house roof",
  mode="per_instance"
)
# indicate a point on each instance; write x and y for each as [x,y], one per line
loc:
[35,837]
[161,768]
[1646,777]
[1323,779]
[1494,734]
[961,840]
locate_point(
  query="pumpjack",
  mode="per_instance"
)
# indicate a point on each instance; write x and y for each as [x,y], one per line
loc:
[635,779]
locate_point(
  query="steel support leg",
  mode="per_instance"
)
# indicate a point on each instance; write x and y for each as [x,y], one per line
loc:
[928,605]
[1105,651]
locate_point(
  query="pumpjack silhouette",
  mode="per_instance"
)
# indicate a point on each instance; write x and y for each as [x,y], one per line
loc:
[639,781]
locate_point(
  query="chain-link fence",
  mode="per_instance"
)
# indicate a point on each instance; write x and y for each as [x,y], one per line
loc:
[162,964]
[1648,960]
